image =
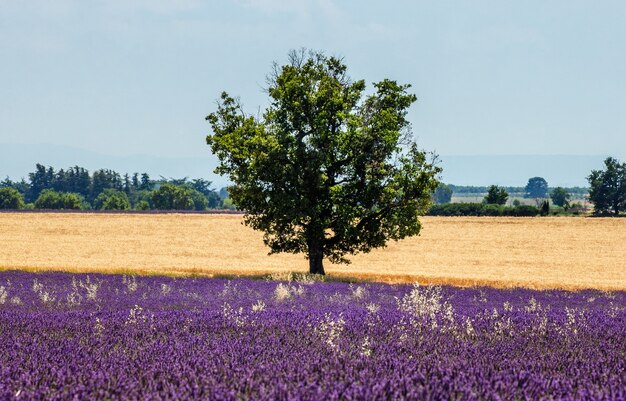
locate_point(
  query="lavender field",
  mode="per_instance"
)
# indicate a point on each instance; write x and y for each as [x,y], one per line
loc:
[65,336]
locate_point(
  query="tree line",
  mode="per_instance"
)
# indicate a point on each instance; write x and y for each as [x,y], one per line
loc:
[607,192]
[106,189]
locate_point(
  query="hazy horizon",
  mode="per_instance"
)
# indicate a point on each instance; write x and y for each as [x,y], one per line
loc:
[474,170]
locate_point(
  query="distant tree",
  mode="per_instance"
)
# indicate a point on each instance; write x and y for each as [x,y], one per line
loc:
[105,179]
[21,186]
[51,199]
[40,180]
[560,196]
[223,192]
[11,198]
[142,198]
[326,170]
[142,205]
[537,187]
[127,184]
[215,201]
[111,199]
[135,182]
[608,187]
[228,204]
[78,180]
[172,197]
[200,201]
[202,185]
[496,195]
[443,194]
[146,183]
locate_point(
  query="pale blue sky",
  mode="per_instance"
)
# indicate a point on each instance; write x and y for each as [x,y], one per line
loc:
[127,77]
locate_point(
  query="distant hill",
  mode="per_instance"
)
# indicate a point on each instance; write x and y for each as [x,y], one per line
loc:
[17,160]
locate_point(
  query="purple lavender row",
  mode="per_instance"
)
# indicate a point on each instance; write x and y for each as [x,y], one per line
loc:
[98,337]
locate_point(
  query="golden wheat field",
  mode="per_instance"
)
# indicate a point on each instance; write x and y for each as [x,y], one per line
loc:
[559,252]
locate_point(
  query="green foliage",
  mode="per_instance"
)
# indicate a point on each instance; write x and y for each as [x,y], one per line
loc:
[142,205]
[51,199]
[228,204]
[560,196]
[324,171]
[11,198]
[481,209]
[496,195]
[608,187]
[537,187]
[172,197]
[443,194]
[111,199]
[200,202]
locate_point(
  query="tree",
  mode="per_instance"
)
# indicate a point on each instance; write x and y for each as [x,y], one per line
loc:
[537,187]
[443,194]
[40,180]
[496,195]
[560,196]
[111,199]
[146,183]
[172,197]
[608,187]
[51,199]
[325,170]
[200,201]
[11,198]
[104,179]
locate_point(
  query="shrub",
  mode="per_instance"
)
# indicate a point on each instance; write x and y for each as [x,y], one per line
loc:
[479,209]
[51,199]
[111,199]
[11,198]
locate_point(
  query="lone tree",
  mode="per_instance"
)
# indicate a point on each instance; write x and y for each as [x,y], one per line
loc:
[443,194]
[537,187]
[496,196]
[560,196]
[608,187]
[325,170]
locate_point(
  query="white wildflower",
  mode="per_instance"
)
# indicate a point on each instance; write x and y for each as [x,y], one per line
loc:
[98,327]
[366,347]
[3,295]
[372,308]
[259,306]
[330,329]
[165,289]
[358,292]
[235,316]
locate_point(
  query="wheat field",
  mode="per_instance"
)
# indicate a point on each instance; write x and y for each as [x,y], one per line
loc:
[559,252]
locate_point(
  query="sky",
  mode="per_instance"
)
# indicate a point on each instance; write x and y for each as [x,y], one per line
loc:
[498,77]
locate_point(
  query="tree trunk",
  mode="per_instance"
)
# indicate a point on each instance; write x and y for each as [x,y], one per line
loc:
[316,258]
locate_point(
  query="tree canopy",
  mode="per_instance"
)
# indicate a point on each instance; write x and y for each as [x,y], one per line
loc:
[608,187]
[325,170]
[560,196]
[443,194]
[11,198]
[496,196]
[537,187]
